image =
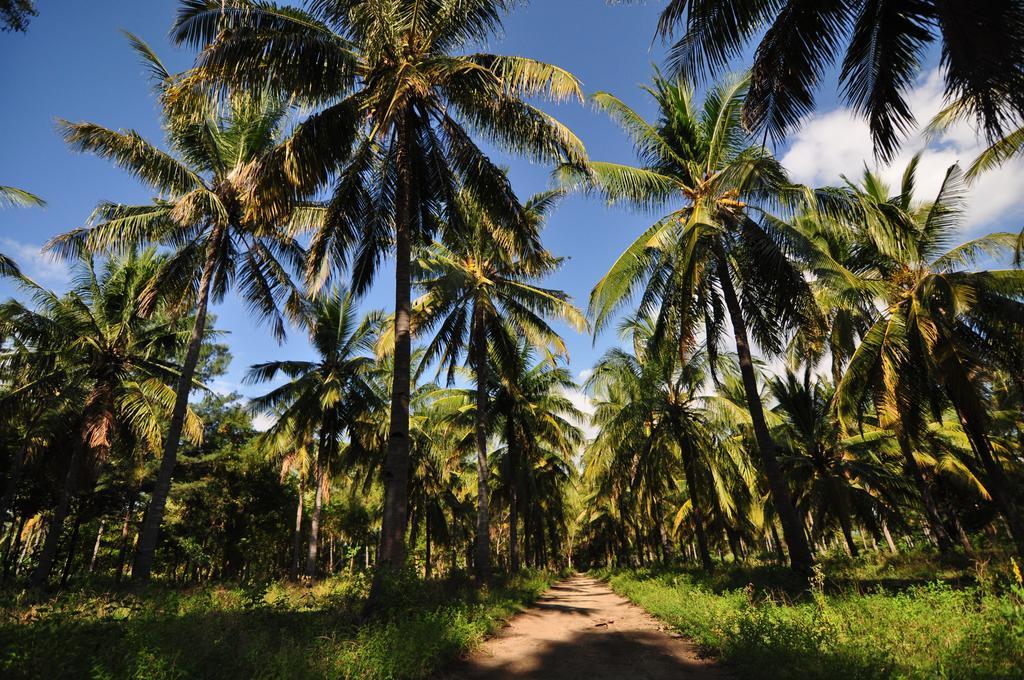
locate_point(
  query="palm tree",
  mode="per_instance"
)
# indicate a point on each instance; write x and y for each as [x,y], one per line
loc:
[885,45]
[718,254]
[9,197]
[538,423]
[207,212]
[96,338]
[939,328]
[839,477]
[397,92]
[659,430]
[326,396]
[482,297]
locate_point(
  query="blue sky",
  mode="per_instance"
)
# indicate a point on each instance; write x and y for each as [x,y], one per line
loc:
[75,64]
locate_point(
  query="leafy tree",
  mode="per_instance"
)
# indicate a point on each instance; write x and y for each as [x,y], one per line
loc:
[982,49]
[16,14]
[97,338]
[208,213]
[397,91]
[938,329]
[327,396]
[483,297]
[717,254]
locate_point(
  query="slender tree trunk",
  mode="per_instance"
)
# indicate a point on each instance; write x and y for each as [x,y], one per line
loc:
[997,483]
[799,552]
[843,506]
[297,534]
[931,510]
[888,538]
[96,546]
[391,554]
[427,567]
[13,479]
[314,524]
[72,544]
[125,529]
[145,552]
[13,545]
[513,518]
[56,527]
[483,519]
[698,514]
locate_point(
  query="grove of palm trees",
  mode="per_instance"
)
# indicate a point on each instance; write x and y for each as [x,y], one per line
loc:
[381,322]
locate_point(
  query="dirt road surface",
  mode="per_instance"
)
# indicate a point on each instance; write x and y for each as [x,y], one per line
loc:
[581,630]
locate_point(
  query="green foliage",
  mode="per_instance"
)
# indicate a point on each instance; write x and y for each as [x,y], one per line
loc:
[929,630]
[257,631]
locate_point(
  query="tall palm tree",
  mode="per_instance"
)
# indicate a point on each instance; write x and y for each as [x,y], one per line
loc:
[398,92]
[982,50]
[839,477]
[208,212]
[938,330]
[539,426]
[96,338]
[658,431]
[326,396]
[9,197]
[482,296]
[716,254]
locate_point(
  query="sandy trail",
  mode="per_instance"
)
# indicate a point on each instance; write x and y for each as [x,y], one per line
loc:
[581,630]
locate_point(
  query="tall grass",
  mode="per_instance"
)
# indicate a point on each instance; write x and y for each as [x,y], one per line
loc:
[932,630]
[268,631]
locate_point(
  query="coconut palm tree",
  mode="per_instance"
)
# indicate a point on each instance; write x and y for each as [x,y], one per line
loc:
[539,426]
[326,396]
[716,254]
[397,91]
[938,331]
[839,478]
[207,212]
[96,338]
[885,45]
[482,297]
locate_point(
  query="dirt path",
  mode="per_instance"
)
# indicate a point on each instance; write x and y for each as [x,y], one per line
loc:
[581,630]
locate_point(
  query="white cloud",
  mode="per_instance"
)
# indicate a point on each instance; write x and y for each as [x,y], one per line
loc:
[582,401]
[262,422]
[837,142]
[43,268]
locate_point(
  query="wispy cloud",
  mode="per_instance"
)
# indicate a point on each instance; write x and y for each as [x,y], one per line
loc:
[43,268]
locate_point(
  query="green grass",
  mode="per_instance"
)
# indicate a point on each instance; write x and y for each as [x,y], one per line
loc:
[853,626]
[275,631]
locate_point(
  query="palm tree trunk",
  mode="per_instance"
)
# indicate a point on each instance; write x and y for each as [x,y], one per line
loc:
[888,538]
[314,524]
[843,508]
[146,550]
[96,546]
[53,533]
[931,510]
[698,514]
[391,555]
[72,544]
[483,519]
[427,567]
[996,482]
[13,479]
[125,527]
[799,552]
[513,523]
[297,534]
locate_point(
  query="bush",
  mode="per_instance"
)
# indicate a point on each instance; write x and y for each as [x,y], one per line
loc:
[925,631]
[273,630]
